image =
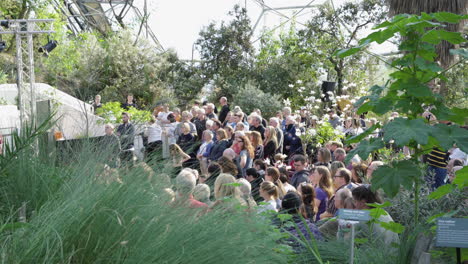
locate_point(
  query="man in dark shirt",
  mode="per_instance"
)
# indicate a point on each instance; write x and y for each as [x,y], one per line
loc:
[200,123]
[111,146]
[224,109]
[257,125]
[301,175]
[129,103]
[126,132]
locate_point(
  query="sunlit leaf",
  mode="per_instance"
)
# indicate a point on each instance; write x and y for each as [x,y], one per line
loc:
[448,17]
[436,36]
[461,178]
[441,191]
[358,138]
[393,226]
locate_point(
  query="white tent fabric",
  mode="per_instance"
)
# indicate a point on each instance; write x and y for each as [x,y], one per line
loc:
[75,118]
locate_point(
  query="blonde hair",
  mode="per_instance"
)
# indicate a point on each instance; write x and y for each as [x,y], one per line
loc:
[256,139]
[246,189]
[224,187]
[271,135]
[270,188]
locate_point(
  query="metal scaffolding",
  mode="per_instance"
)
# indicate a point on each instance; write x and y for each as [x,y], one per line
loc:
[104,16]
[24,30]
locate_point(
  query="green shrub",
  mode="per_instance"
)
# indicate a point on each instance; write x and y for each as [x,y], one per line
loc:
[112,113]
[251,97]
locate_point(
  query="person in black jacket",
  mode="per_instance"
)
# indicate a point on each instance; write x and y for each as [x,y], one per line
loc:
[129,103]
[126,133]
[271,144]
[255,181]
[219,146]
[224,109]
[257,125]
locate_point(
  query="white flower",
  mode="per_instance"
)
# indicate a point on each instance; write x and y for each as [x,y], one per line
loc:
[345,88]
[322,95]
[334,105]
[353,101]
[312,92]
[299,81]
[291,85]
[287,102]
[312,132]
[316,107]
[400,92]
[330,92]
[318,101]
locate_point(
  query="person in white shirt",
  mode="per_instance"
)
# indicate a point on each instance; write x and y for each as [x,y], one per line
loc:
[269,193]
[153,132]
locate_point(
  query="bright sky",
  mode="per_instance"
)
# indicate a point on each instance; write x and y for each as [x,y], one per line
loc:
[177,23]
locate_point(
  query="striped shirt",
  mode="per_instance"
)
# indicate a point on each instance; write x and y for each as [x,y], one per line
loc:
[438,158]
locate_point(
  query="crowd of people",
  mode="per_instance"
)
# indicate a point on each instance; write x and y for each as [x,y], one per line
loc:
[211,150]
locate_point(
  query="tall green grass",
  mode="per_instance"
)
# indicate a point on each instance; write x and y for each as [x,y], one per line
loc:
[78,214]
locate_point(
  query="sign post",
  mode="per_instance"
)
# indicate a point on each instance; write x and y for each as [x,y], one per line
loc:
[452,232]
[353,217]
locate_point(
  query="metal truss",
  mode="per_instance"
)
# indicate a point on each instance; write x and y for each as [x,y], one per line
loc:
[24,30]
[104,16]
[276,10]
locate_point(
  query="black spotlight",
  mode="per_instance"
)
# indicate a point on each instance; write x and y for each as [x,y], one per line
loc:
[4,23]
[2,45]
[51,45]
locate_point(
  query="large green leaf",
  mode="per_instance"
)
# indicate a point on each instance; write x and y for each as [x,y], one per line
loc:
[436,36]
[448,135]
[393,226]
[455,114]
[390,177]
[402,131]
[427,65]
[461,52]
[448,17]
[350,51]
[364,148]
[441,191]
[358,138]
[461,178]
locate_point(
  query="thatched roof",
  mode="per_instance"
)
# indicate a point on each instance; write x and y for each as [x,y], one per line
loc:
[432,6]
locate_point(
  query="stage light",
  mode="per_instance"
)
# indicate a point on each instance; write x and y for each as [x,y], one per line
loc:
[51,45]
[2,45]
[5,23]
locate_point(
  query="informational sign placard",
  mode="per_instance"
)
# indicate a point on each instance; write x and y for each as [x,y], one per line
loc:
[452,232]
[355,215]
